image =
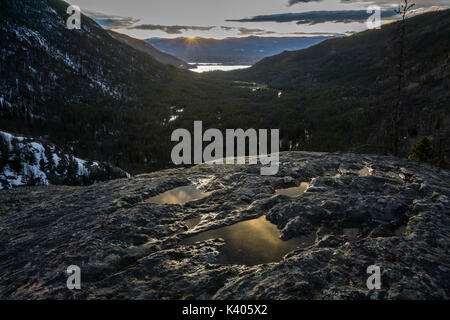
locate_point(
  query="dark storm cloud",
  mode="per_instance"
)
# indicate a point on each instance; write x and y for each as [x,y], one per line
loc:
[313,17]
[170,29]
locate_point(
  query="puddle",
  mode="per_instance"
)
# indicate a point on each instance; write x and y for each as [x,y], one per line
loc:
[179,195]
[365,172]
[293,192]
[251,242]
[191,223]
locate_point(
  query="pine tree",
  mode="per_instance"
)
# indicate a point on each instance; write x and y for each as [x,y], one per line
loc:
[422,151]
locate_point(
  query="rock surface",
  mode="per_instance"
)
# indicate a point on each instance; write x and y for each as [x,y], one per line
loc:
[363,210]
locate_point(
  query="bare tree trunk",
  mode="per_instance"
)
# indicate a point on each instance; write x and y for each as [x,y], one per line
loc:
[403,11]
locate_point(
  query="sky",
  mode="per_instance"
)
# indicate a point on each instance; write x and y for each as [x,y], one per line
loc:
[144,19]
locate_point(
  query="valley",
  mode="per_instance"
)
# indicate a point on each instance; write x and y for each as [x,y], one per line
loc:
[105,93]
[359,134]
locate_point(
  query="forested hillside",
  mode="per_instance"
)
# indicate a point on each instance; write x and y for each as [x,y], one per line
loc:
[143,46]
[98,98]
[93,95]
[342,90]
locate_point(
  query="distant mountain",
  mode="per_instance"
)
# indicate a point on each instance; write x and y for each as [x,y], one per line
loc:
[27,162]
[143,46]
[235,51]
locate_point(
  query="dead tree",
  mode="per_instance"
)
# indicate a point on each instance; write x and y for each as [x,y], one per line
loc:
[402,10]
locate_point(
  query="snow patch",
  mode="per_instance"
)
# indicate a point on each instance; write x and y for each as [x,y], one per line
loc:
[33,167]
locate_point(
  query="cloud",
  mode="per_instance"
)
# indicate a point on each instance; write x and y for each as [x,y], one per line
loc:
[292,2]
[314,17]
[315,34]
[119,22]
[397,2]
[170,29]
[111,21]
[425,10]
[254,32]
[261,32]
[382,3]
[248,31]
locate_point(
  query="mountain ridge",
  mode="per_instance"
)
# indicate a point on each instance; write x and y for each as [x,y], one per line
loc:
[148,48]
[348,84]
[233,50]
[437,20]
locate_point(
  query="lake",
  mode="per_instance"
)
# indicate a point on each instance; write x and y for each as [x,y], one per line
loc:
[206,67]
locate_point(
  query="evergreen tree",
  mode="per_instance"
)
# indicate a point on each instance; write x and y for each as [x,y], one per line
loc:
[422,151]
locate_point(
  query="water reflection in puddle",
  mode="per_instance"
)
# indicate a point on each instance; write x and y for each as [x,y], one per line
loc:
[179,195]
[251,242]
[191,223]
[365,172]
[293,192]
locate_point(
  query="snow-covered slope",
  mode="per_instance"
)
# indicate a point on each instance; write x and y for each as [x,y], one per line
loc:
[26,161]
[83,88]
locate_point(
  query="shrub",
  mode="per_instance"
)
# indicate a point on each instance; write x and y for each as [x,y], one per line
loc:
[422,151]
